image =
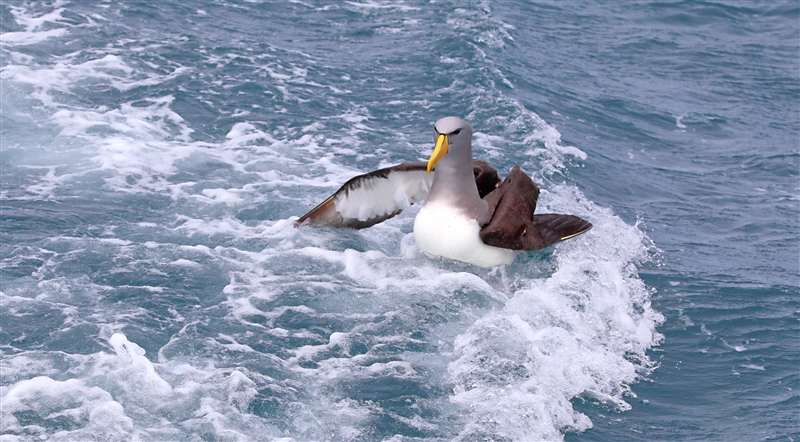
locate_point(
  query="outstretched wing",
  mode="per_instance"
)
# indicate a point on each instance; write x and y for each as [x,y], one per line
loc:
[513,224]
[373,197]
[376,196]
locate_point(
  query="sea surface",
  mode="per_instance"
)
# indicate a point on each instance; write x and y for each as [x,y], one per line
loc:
[154,154]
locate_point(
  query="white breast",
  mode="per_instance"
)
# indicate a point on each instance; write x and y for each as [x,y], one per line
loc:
[442,230]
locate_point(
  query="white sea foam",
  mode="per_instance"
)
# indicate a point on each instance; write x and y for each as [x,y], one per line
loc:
[584,331]
[754,367]
[365,6]
[122,396]
[33,25]
[65,74]
[481,25]
[89,412]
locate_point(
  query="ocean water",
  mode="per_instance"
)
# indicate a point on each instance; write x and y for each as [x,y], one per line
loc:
[153,156]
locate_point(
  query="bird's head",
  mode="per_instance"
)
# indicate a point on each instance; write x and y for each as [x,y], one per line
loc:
[451,133]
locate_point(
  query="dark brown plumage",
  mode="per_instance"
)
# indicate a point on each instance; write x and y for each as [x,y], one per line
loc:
[486,177]
[513,224]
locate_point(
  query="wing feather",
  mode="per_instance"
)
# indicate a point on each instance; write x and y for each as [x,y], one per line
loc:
[373,197]
[513,224]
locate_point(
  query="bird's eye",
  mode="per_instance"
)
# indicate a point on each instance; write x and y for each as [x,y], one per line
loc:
[457,131]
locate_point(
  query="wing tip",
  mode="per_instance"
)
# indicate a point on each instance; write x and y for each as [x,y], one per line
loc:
[583,227]
[317,214]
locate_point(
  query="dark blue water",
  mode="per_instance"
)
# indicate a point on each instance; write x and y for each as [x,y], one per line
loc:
[154,156]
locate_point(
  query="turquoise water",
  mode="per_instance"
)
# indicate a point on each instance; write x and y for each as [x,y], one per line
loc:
[154,156]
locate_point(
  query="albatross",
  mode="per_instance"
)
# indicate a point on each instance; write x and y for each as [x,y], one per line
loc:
[469,214]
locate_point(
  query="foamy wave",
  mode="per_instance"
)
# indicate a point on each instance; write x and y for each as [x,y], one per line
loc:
[125,395]
[583,331]
[33,406]
[481,26]
[66,74]
[33,25]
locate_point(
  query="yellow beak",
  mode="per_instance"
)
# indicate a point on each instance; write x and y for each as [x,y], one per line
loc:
[442,144]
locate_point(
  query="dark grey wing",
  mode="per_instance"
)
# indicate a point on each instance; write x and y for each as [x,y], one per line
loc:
[373,197]
[513,224]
